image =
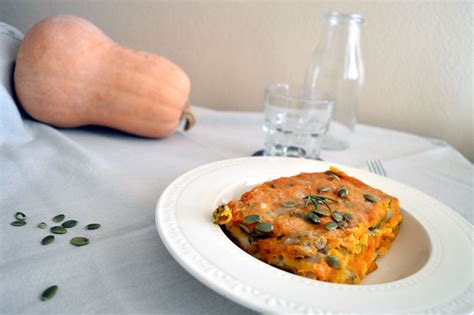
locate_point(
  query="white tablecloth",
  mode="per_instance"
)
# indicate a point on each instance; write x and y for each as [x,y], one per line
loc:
[99,175]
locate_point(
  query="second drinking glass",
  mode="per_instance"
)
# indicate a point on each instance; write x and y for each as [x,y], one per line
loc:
[294,125]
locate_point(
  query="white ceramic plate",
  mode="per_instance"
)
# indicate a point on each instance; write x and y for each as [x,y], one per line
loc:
[428,269]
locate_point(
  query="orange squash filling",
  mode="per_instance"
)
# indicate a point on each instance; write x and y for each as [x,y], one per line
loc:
[325,226]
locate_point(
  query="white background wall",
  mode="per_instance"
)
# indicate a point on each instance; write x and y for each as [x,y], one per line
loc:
[418,54]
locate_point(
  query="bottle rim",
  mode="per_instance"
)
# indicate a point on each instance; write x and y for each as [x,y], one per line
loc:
[339,17]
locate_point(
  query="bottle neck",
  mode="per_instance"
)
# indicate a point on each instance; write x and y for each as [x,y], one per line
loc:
[341,31]
[337,56]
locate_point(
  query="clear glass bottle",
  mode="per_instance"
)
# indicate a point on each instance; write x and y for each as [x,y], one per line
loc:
[336,72]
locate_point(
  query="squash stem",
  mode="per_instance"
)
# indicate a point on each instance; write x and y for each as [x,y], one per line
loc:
[189,116]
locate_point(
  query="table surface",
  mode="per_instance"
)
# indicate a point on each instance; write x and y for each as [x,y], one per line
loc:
[94,174]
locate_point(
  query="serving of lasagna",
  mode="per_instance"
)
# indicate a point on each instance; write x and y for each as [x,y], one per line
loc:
[326,226]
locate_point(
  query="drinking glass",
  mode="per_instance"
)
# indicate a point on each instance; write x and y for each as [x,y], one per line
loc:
[294,125]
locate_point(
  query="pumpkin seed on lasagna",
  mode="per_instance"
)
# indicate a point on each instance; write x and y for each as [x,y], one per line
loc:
[325,226]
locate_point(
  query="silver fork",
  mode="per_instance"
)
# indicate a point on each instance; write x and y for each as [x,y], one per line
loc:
[376,167]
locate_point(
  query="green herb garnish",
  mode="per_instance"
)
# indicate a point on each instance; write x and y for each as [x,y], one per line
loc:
[317,200]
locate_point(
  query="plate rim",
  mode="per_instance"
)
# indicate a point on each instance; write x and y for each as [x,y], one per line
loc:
[220,289]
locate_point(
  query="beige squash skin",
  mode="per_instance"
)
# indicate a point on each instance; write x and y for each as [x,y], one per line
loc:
[69,73]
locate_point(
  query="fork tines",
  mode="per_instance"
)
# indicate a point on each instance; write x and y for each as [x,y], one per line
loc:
[375,166]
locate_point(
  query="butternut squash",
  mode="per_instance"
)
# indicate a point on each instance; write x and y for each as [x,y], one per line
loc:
[69,73]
